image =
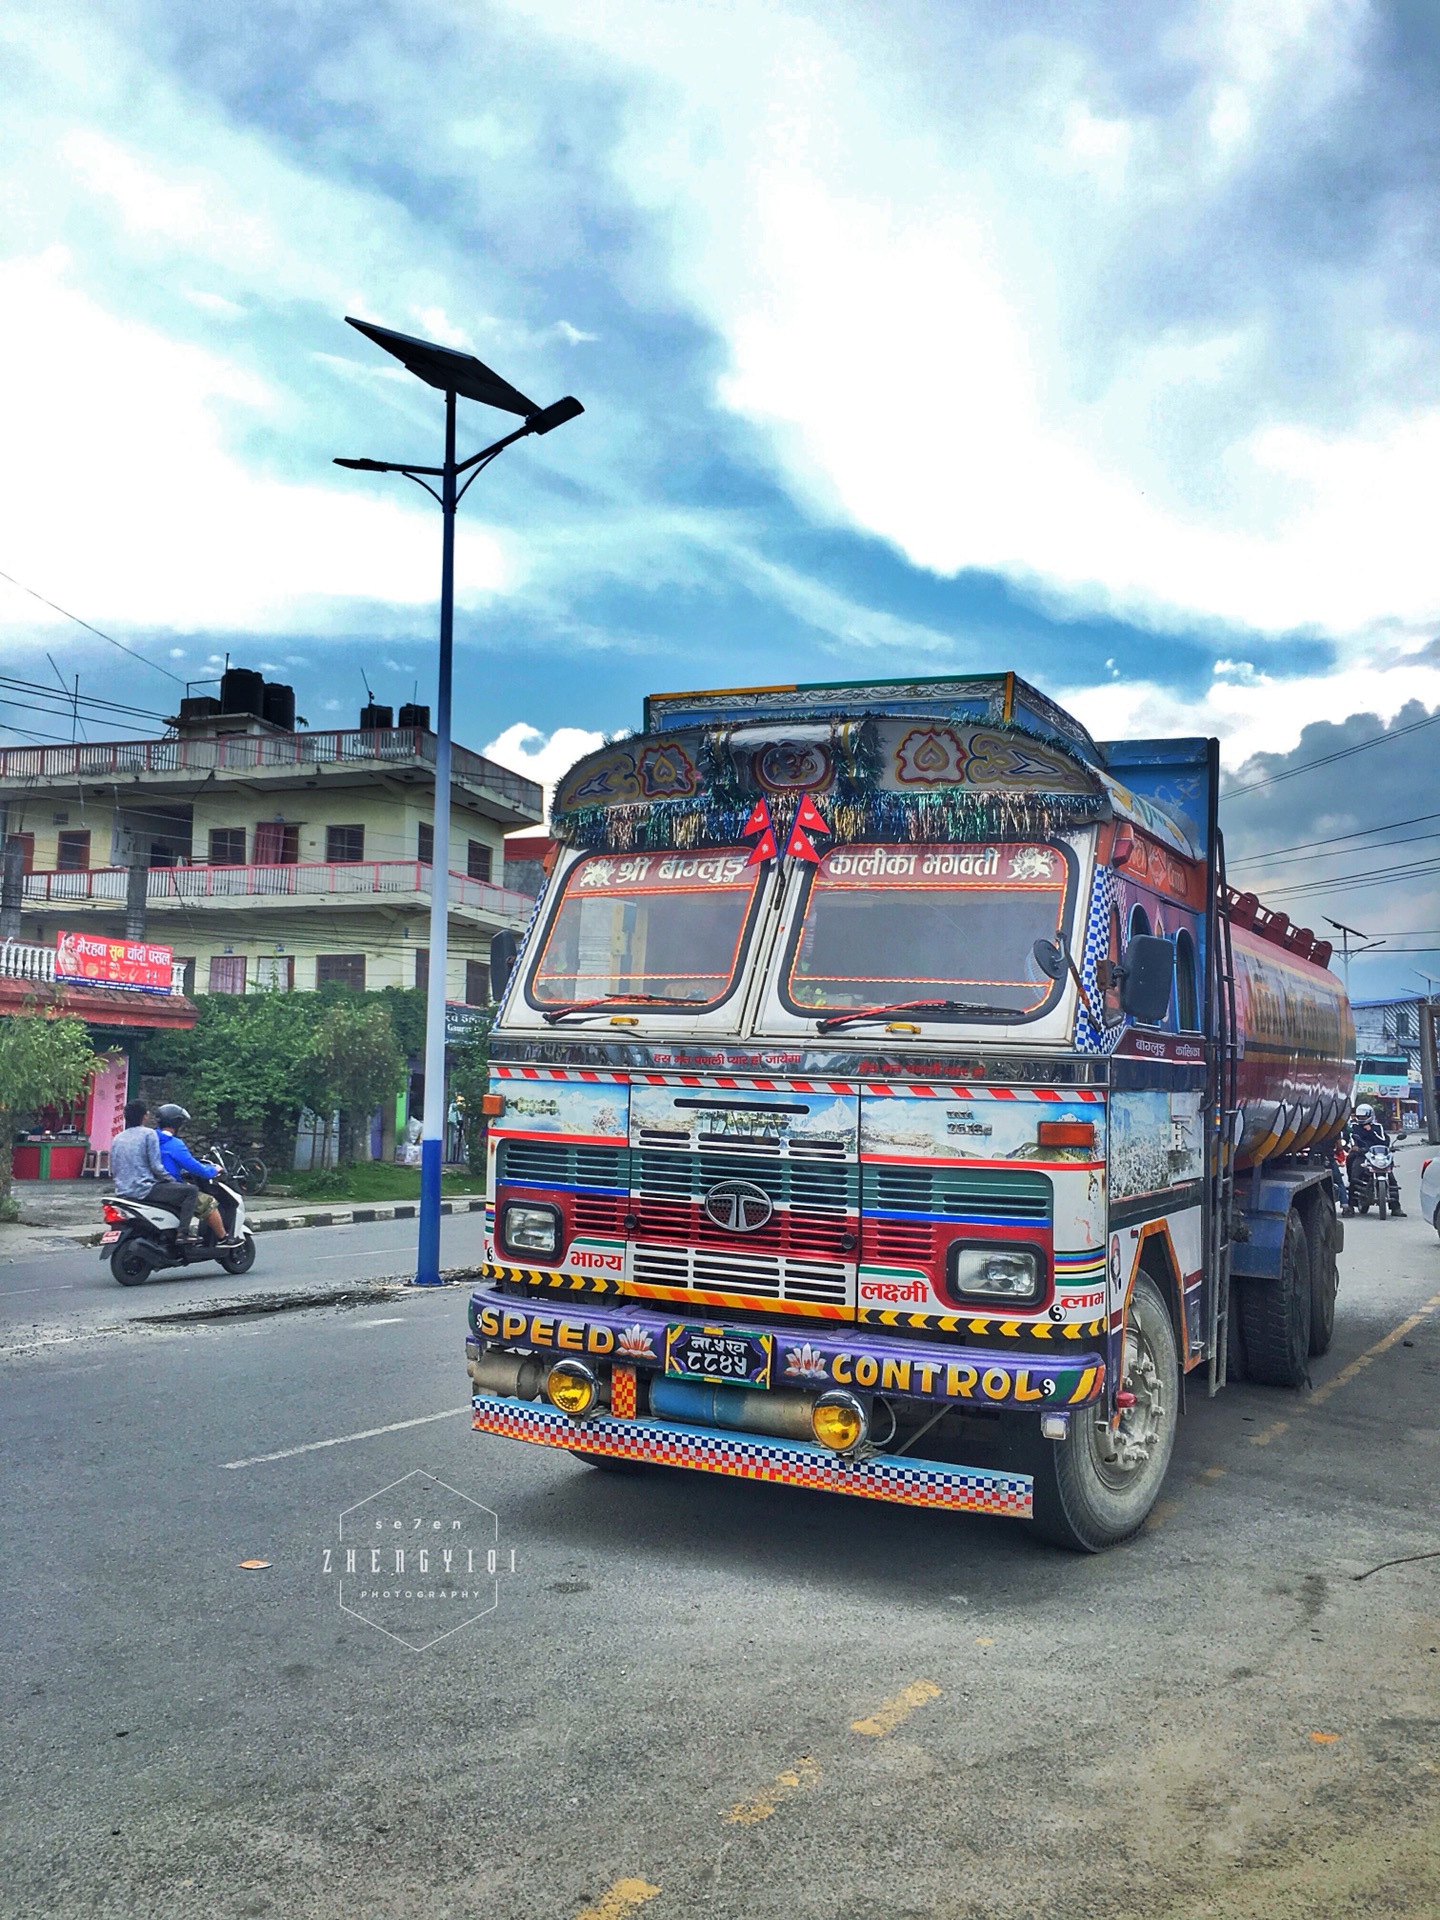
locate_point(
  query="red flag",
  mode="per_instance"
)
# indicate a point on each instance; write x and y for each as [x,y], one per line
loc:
[798,846]
[809,816]
[764,848]
[759,821]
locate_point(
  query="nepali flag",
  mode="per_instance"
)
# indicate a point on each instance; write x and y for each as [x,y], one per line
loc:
[764,848]
[759,821]
[807,821]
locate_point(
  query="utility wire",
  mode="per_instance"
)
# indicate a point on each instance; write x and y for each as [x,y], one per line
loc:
[56,608]
[1340,853]
[1326,759]
[1253,859]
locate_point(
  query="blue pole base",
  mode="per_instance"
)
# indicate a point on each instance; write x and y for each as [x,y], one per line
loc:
[427,1266]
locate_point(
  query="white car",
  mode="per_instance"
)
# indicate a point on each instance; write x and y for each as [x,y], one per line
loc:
[1430,1189]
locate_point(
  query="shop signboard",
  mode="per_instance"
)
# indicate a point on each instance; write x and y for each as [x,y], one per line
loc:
[96,961]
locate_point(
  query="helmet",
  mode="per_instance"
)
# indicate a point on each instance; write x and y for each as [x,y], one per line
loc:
[1363,1112]
[171,1116]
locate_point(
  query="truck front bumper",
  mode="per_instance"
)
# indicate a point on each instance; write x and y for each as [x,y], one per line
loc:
[794,1463]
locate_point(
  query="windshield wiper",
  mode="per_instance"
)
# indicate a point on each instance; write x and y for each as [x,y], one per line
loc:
[835,1020]
[622,1000]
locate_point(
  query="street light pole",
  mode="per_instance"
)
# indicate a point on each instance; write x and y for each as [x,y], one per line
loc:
[437,1105]
[454,374]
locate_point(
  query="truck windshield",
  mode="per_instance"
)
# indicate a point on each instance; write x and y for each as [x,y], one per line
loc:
[887,924]
[655,929]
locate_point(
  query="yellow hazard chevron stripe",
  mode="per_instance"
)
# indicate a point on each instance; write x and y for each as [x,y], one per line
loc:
[960,1323]
[556,1282]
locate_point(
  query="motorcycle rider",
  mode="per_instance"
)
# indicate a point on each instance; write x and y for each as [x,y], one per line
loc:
[1366,1132]
[139,1171]
[179,1160]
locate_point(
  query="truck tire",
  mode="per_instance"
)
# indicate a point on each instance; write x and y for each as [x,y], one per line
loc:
[1094,1489]
[1323,1236]
[1276,1316]
[609,1462]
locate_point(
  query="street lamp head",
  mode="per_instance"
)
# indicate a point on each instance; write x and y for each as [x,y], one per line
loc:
[448,370]
[363,466]
[556,414]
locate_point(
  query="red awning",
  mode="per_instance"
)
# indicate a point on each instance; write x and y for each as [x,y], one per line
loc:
[101,1006]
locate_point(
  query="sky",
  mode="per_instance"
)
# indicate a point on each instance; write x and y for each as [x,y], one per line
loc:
[1101,344]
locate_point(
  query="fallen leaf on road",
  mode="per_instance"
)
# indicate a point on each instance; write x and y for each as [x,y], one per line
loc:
[254,1563]
[1324,1739]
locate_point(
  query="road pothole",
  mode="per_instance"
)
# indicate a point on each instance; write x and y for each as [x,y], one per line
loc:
[254,1305]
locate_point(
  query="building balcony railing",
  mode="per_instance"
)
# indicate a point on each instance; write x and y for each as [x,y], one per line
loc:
[252,752]
[354,882]
[21,961]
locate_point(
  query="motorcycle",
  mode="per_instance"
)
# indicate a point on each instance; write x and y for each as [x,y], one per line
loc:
[1372,1181]
[141,1239]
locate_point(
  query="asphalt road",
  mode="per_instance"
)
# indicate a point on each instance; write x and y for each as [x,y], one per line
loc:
[695,1698]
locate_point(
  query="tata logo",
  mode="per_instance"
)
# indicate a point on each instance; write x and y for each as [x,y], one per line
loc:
[739,1206]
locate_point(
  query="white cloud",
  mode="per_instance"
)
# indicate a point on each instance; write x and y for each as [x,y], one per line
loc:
[543,757]
[178,530]
[923,239]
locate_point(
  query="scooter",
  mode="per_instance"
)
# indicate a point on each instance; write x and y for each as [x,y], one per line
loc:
[1373,1183]
[141,1239]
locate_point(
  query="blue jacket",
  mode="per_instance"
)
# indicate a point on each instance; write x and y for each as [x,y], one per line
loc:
[179,1160]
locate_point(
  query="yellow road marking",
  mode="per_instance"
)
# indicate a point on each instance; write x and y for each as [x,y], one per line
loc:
[1359,1364]
[1272,1432]
[624,1897]
[1159,1514]
[981,1641]
[886,1718]
[800,1778]
[1213,1473]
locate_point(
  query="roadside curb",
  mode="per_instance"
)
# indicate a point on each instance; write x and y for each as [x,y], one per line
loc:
[331,1217]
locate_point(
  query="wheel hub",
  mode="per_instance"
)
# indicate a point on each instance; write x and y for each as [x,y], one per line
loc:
[1128,1445]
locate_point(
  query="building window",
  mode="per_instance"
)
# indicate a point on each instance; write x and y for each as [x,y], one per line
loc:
[340,970]
[425,848]
[276,971]
[477,860]
[477,983]
[227,973]
[227,846]
[186,962]
[73,854]
[344,844]
[422,969]
[276,845]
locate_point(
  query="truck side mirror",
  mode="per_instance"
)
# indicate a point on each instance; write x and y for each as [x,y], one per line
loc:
[1049,957]
[1147,974]
[503,949]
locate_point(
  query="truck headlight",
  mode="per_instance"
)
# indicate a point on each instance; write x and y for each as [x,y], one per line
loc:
[1006,1276]
[530,1229]
[572,1387]
[839,1420]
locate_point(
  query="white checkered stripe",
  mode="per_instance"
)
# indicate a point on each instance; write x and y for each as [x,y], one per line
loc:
[793,1463]
[1104,893]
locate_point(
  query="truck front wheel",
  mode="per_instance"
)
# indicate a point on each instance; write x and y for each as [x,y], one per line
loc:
[1095,1488]
[1277,1315]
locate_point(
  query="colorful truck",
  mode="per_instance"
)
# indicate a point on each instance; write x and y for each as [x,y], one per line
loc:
[891,1097]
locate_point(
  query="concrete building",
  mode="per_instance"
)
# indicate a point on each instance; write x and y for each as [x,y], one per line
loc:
[1389,1059]
[267,857]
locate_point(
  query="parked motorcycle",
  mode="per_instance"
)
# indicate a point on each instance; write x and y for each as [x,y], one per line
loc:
[1373,1183]
[141,1239]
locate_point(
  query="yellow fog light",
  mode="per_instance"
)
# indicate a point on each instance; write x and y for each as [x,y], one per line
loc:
[572,1387]
[839,1421]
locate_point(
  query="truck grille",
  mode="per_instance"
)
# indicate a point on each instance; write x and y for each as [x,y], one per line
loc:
[761,1276]
[557,1163]
[981,1194]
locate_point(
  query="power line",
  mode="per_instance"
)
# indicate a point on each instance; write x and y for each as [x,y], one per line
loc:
[1358,833]
[1341,853]
[1381,875]
[56,608]
[1326,759]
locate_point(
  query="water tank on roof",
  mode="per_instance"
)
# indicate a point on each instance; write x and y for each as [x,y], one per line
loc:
[375,719]
[278,706]
[413,716]
[242,691]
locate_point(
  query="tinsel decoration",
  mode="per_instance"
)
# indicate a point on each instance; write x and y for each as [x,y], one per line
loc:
[943,814]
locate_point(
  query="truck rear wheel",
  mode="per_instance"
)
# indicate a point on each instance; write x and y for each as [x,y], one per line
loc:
[1324,1276]
[1095,1488]
[1277,1315]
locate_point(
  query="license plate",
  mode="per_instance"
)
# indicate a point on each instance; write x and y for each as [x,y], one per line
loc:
[106,1238]
[721,1354]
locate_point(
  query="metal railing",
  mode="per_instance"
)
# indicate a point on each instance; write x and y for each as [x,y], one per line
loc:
[20,961]
[245,752]
[327,880]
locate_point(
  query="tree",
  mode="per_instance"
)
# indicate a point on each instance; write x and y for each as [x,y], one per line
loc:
[353,1065]
[470,1082]
[42,1059]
